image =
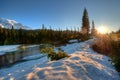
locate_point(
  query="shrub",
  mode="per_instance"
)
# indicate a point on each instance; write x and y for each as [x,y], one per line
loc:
[84,37]
[107,46]
[22,47]
[46,50]
[60,55]
[115,55]
[102,47]
[52,54]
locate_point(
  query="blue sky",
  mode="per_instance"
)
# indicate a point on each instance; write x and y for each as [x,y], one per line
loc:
[61,13]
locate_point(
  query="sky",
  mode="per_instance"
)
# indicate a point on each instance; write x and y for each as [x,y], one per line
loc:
[61,13]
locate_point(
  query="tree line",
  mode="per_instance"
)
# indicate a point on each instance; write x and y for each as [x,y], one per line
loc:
[38,36]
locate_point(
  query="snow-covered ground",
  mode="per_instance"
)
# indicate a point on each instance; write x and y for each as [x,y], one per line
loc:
[83,64]
[8,48]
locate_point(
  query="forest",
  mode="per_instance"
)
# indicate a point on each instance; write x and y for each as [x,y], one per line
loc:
[38,36]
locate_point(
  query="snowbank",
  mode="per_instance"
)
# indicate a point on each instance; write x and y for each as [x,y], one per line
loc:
[83,64]
[8,48]
[19,70]
[35,56]
[82,46]
[80,66]
[11,48]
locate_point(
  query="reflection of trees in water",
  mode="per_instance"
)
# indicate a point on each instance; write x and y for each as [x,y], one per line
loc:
[14,56]
[21,54]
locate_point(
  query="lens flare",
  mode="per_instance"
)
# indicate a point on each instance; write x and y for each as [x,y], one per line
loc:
[102,29]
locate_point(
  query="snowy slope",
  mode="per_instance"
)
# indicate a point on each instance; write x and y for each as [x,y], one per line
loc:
[83,64]
[7,23]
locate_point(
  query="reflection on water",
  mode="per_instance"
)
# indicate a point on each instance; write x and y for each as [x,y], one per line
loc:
[17,56]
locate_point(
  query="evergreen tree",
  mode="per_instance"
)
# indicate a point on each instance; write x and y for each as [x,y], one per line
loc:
[5,36]
[85,22]
[43,27]
[93,31]
[12,33]
[1,35]
[20,35]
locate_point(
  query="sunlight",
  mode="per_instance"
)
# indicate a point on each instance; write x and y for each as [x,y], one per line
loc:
[102,29]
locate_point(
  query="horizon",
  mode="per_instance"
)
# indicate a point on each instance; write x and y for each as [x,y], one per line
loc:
[61,14]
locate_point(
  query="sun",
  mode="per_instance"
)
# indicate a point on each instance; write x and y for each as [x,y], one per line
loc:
[102,29]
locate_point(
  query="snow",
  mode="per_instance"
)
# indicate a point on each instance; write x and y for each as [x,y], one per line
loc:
[82,46]
[32,46]
[83,64]
[17,71]
[8,48]
[78,67]
[11,21]
[11,48]
[8,23]
[1,26]
[36,56]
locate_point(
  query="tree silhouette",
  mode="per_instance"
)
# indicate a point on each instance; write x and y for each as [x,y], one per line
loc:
[20,35]
[93,30]
[12,33]
[85,22]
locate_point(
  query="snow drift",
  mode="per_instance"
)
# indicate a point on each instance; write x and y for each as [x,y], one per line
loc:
[80,66]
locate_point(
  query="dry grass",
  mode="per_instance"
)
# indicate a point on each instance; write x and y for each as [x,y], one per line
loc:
[109,46]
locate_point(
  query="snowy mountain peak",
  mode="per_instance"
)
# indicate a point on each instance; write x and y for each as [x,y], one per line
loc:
[7,23]
[1,26]
[11,21]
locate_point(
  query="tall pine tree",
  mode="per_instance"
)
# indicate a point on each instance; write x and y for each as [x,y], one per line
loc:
[20,35]
[1,35]
[12,34]
[93,31]
[85,22]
